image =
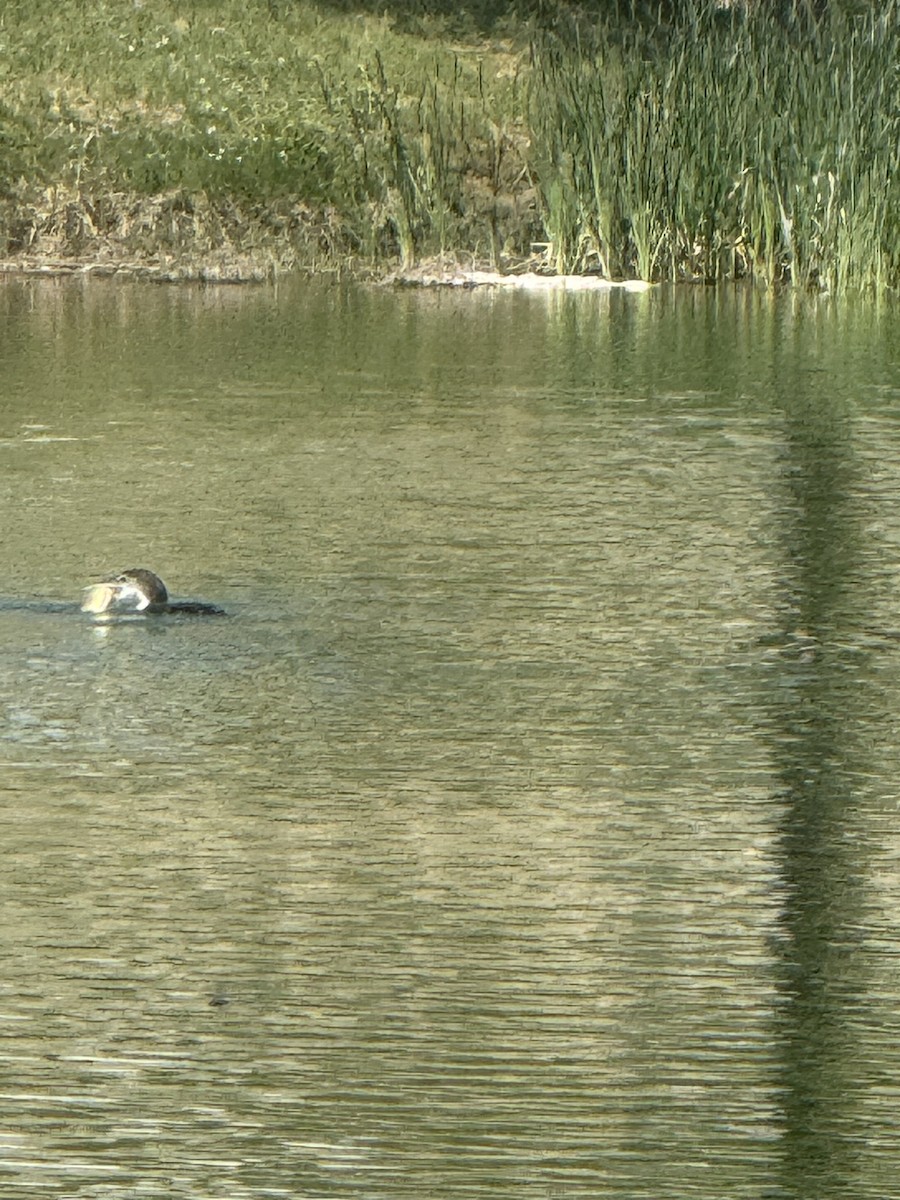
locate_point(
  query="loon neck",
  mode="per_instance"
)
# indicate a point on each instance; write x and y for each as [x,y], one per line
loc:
[143,587]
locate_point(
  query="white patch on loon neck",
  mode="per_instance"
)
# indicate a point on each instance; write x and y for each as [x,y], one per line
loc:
[128,591]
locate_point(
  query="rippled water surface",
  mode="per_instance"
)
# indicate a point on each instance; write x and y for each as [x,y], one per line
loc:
[529,827]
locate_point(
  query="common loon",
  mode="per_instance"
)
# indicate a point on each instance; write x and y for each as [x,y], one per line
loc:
[140,591]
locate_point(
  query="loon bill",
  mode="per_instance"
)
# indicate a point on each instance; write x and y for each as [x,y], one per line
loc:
[139,591]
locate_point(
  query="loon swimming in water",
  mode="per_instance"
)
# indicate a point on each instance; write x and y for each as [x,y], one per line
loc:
[140,591]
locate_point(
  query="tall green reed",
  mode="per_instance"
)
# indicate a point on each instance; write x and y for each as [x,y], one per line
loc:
[423,158]
[734,142]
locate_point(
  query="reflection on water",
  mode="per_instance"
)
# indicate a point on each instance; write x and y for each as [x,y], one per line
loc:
[527,827]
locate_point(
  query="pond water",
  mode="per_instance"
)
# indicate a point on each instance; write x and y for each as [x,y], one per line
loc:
[529,827]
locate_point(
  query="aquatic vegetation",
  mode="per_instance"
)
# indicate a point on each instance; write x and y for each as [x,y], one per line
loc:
[735,142]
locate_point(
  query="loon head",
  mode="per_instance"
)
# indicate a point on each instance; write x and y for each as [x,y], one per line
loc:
[134,589]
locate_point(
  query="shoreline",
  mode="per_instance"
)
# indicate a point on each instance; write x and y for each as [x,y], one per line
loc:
[523,276]
[234,273]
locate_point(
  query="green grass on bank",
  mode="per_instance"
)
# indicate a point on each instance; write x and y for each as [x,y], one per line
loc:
[285,128]
[709,143]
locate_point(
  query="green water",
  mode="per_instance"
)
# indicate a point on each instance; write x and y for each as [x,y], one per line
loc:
[529,826]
